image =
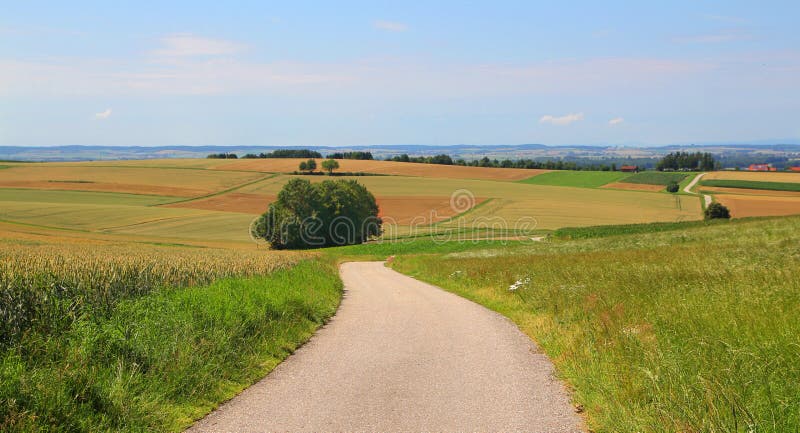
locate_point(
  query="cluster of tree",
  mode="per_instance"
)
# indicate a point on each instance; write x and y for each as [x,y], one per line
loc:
[328,213]
[308,166]
[328,165]
[687,161]
[286,153]
[222,156]
[351,155]
[548,164]
[436,159]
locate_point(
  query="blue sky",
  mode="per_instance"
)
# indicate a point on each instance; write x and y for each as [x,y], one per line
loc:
[368,73]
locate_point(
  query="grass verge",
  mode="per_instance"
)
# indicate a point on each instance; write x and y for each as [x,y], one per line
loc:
[694,330]
[158,361]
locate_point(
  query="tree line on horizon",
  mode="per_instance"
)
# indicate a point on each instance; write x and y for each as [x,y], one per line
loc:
[675,161]
[682,161]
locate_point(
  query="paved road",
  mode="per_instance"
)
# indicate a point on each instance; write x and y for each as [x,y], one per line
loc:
[402,355]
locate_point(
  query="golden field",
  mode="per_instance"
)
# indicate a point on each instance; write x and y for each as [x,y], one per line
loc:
[213,201]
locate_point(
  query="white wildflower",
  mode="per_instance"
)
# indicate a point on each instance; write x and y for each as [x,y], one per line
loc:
[519,284]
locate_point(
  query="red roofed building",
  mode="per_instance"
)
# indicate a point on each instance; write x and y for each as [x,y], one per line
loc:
[629,168]
[761,167]
[795,169]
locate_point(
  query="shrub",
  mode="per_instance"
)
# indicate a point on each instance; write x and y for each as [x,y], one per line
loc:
[306,215]
[717,210]
[672,187]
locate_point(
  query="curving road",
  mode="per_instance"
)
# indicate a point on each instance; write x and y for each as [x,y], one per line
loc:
[402,355]
[706,198]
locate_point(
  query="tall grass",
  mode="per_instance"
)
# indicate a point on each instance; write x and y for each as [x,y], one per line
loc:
[127,337]
[159,361]
[688,330]
[44,287]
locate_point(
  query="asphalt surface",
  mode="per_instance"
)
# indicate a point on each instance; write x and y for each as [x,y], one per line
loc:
[401,356]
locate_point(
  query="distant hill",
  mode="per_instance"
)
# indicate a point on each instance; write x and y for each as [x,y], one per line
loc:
[732,155]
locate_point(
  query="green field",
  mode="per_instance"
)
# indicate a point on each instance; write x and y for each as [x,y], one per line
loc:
[691,329]
[581,179]
[750,184]
[655,178]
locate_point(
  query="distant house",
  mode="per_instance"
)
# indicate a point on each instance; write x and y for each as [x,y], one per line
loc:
[629,168]
[795,169]
[761,167]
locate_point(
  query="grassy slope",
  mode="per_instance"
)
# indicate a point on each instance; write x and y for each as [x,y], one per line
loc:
[692,329]
[655,178]
[748,184]
[582,179]
[159,361]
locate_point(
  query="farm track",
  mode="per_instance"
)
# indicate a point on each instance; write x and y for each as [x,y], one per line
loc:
[402,355]
[688,189]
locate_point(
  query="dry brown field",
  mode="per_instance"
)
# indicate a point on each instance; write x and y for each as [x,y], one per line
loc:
[753,205]
[634,186]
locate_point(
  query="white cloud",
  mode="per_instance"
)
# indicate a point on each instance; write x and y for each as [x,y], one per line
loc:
[562,120]
[616,121]
[103,115]
[390,26]
[187,45]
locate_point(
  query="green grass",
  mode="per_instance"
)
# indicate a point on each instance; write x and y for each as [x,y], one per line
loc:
[582,179]
[749,184]
[691,329]
[655,178]
[627,229]
[159,361]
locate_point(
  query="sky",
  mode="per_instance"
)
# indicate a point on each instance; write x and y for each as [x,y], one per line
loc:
[379,73]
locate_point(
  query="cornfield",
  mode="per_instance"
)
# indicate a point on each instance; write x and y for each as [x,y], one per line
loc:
[44,287]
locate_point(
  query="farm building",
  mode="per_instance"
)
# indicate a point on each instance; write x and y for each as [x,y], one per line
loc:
[795,169]
[629,168]
[761,167]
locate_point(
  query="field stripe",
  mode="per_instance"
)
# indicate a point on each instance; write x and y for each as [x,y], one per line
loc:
[225,191]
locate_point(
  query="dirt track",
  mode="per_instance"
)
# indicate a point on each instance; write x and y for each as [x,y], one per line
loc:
[401,355]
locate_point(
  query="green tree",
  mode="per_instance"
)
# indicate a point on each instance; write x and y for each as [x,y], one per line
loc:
[329,165]
[716,211]
[303,166]
[311,165]
[306,215]
[673,187]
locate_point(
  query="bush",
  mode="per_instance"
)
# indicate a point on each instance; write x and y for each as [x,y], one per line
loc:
[672,187]
[306,215]
[716,211]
